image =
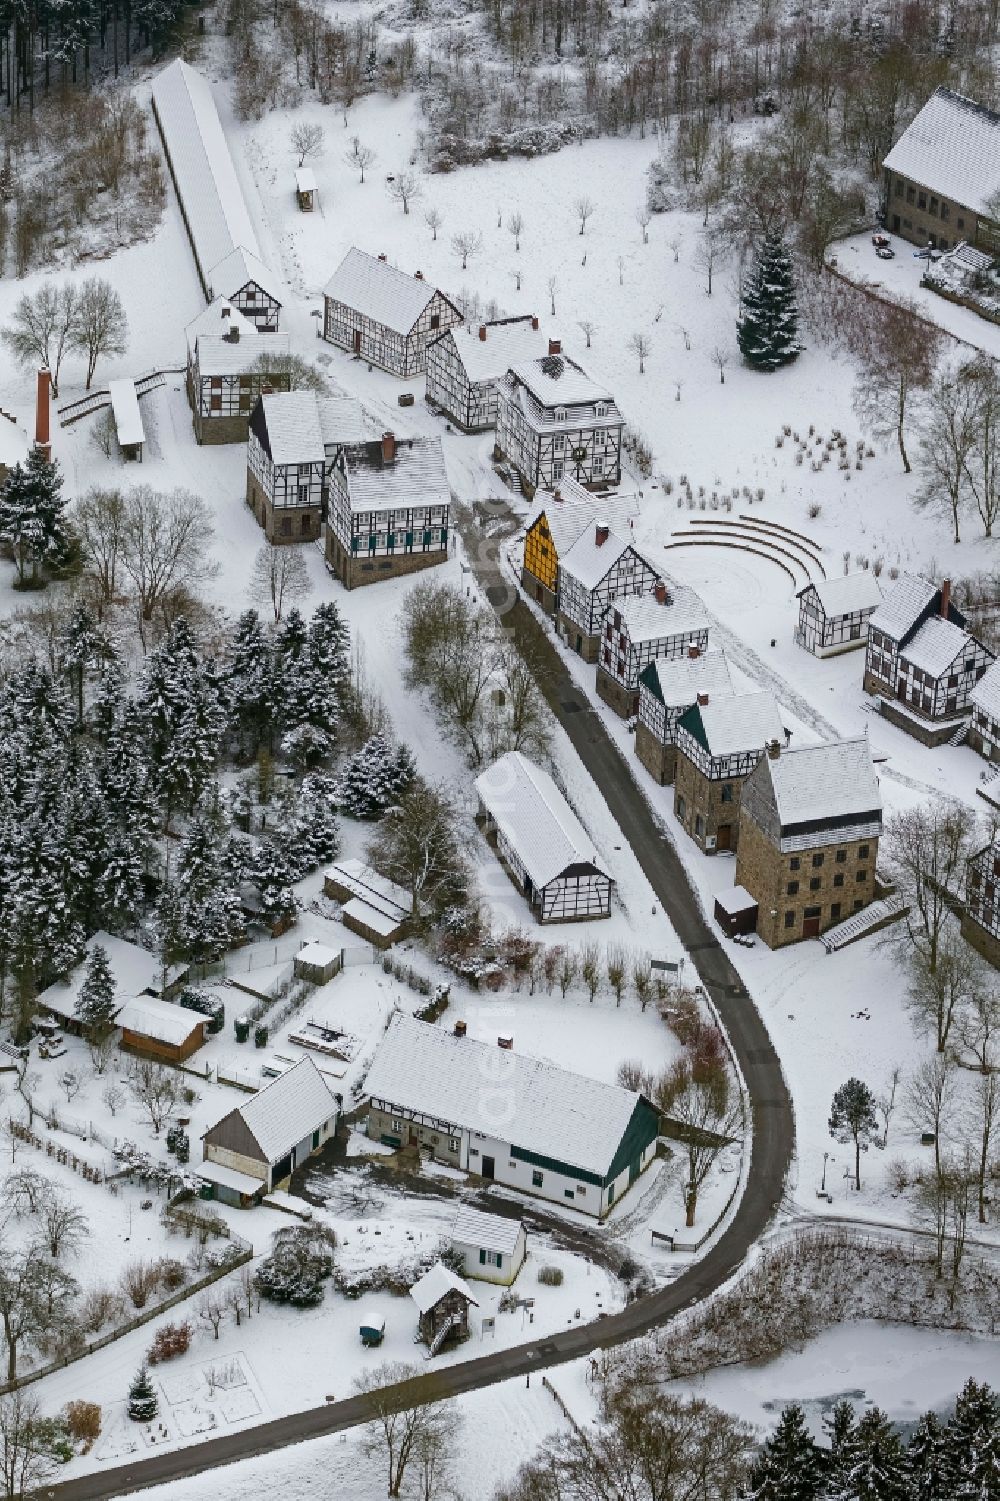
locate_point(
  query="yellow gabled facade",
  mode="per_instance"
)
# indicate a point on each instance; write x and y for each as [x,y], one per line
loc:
[540,557]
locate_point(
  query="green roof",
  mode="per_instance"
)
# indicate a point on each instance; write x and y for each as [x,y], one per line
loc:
[691,721]
[650,678]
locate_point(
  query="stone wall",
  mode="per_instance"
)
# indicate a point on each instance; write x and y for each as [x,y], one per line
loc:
[624,701]
[658,759]
[354,572]
[271,518]
[590,646]
[764,871]
[703,797]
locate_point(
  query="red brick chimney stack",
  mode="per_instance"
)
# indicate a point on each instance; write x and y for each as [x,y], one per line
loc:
[702,699]
[694,651]
[534,324]
[381,255]
[482,333]
[601,533]
[388,448]
[418,275]
[555,346]
[557,494]
[774,750]
[945,598]
[660,592]
[42,391]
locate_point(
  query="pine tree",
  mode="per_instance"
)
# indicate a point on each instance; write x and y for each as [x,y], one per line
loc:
[928,1459]
[879,1470]
[973,1444]
[375,779]
[270,874]
[82,643]
[95,1004]
[841,1430]
[200,914]
[250,686]
[853,1119]
[31,515]
[789,1467]
[767,327]
[143,1403]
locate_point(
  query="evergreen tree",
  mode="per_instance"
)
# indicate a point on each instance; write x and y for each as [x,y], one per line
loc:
[200,914]
[305,824]
[270,874]
[880,1469]
[789,1467]
[853,1119]
[250,686]
[973,1444]
[95,1004]
[143,1403]
[32,516]
[182,720]
[841,1430]
[928,1460]
[767,327]
[82,643]
[375,779]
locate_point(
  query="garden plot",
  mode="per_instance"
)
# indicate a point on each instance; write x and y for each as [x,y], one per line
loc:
[204,1398]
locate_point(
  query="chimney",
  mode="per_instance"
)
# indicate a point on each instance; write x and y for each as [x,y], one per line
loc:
[381,255]
[418,276]
[42,410]
[660,592]
[601,533]
[534,324]
[505,1042]
[557,494]
[694,651]
[774,749]
[460,1029]
[267,389]
[482,333]
[233,336]
[388,448]
[702,699]
[555,346]
[945,598]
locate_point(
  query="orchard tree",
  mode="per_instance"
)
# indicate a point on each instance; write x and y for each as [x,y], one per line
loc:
[307,141]
[101,327]
[466,243]
[404,188]
[854,1118]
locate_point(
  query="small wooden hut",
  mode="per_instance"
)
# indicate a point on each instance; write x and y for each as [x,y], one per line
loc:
[442,1300]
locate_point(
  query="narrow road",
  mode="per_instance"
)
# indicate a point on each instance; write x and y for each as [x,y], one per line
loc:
[773,1132]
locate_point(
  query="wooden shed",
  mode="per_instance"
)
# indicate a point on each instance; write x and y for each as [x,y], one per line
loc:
[374,908]
[443,1302]
[128,419]
[160,1030]
[736,911]
[305,189]
[317,963]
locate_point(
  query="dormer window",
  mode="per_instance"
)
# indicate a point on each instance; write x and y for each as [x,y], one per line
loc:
[602,409]
[560,414]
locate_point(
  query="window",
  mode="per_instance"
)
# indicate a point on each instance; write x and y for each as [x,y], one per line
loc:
[557,468]
[286,526]
[960,222]
[581,1189]
[473,1151]
[792,888]
[795,863]
[862,852]
[818,861]
[536,1179]
[911,194]
[560,414]
[862,875]
[435,320]
[934,204]
[601,409]
[598,464]
[841,857]
[558,443]
[453,1143]
[303,495]
[727,792]
[699,825]
[512,1164]
[397,1125]
[681,808]
[921,200]
[835,912]
[838,879]
[789,919]
[899,187]
[567,1193]
[945,211]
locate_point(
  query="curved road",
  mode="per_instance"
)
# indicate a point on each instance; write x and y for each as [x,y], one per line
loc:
[772,1135]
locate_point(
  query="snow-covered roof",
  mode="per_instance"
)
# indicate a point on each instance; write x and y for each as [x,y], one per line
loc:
[241,268]
[644,619]
[318,954]
[293,427]
[821,782]
[570,510]
[576,1120]
[379,291]
[341,420]
[128,418]
[221,356]
[677,681]
[589,561]
[735,900]
[735,722]
[986,694]
[846,595]
[555,380]
[305,179]
[489,1232]
[218,318]
[507,343]
[134,970]
[534,817]
[428,1290]
[935,645]
[13,442]
[159,1020]
[416,476]
[288,1109]
[953,149]
[902,606]
[228,1177]
[368,887]
[374,917]
[214,208]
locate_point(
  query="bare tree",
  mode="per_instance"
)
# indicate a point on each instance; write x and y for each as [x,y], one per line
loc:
[979,1023]
[279,575]
[434,1452]
[35,1296]
[26,1452]
[947,438]
[405,189]
[64,1226]
[114,1097]
[100,326]
[235,1299]
[553,282]
[899,353]
[886,1104]
[361,156]
[709,1112]
[591,969]
[720,359]
[569,967]
[466,243]
[156,1089]
[515,226]
[164,545]
[26,1191]
[935,997]
[927,1098]
[643,215]
[620,263]
[101,1047]
[212,1308]
[642,979]
[982,464]
[583,207]
[99,518]
[586,327]
[419,845]
[926,847]
[616,963]
[70,1083]
[42,327]
[399,1419]
[307,141]
[987,1124]
[675,245]
[434,219]
[640,345]
[708,253]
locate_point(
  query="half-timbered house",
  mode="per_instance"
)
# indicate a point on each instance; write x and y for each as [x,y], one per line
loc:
[272,1133]
[559,1136]
[719,742]
[980,920]
[541,843]
[667,688]
[294,441]
[636,631]
[810,821]
[553,420]
[389,509]
[465,365]
[249,285]
[602,565]
[226,375]
[984,725]
[383,315]
[557,520]
[834,613]
[921,663]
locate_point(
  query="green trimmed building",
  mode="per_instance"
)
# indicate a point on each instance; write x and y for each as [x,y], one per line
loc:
[508,1118]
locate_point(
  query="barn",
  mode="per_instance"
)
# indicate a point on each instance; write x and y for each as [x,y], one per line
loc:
[271,1134]
[383,315]
[541,843]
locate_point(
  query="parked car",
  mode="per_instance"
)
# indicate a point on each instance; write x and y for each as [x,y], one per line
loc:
[881,242]
[885,253]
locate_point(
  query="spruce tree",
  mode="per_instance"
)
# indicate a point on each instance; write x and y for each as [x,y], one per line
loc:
[375,779]
[973,1444]
[95,1004]
[270,874]
[250,685]
[841,1430]
[143,1403]
[31,515]
[767,327]
[879,1470]
[789,1467]
[928,1460]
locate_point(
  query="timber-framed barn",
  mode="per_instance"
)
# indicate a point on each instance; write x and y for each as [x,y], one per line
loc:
[382,315]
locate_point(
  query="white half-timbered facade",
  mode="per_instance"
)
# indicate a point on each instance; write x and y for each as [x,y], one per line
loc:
[602,565]
[637,631]
[981,916]
[382,315]
[541,842]
[719,742]
[249,285]
[388,511]
[294,441]
[225,380]
[984,726]
[834,613]
[667,689]
[465,365]
[553,420]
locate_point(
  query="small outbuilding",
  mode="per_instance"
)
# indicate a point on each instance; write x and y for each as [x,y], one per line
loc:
[736,912]
[317,963]
[834,613]
[305,189]
[376,909]
[491,1246]
[160,1030]
[271,1134]
[128,418]
[443,1301]
[136,972]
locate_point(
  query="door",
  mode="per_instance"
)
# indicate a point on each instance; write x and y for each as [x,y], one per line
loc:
[895,223]
[357,341]
[724,837]
[810,922]
[489,1167]
[579,645]
[414,1136]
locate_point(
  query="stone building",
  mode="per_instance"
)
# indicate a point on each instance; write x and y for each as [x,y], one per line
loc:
[465,365]
[981,916]
[295,439]
[719,742]
[637,631]
[389,510]
[810,821]
[553,420]
[942,177]
[667,688]
[382,315]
